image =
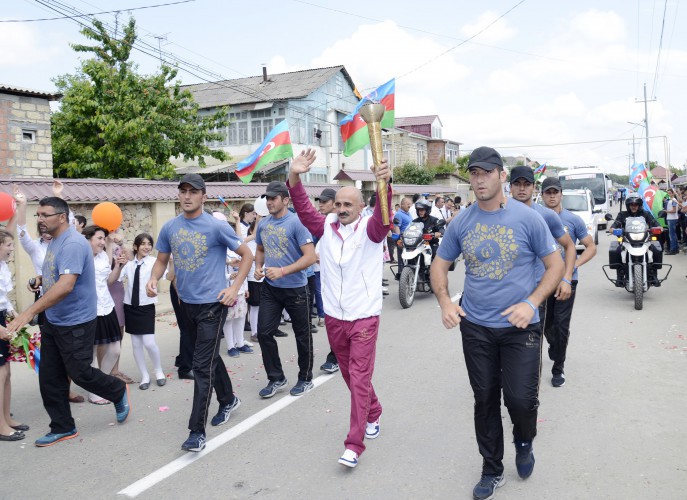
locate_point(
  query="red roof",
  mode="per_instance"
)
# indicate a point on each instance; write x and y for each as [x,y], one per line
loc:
[355,175]
[128,190]
[410,121]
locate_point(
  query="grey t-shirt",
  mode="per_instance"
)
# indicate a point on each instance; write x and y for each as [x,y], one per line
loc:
[199,247]
[500,249]
[282,239]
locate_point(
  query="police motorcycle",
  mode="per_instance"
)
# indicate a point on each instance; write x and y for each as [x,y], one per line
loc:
[634,263]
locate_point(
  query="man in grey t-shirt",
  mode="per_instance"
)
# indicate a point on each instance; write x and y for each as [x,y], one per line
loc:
[285,247]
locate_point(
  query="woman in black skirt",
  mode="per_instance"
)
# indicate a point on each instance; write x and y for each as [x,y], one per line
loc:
[139,309]
[107,331]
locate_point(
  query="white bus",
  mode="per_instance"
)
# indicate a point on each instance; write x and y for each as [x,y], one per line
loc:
[594,179]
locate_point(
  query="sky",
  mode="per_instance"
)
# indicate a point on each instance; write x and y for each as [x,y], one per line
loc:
[555,81]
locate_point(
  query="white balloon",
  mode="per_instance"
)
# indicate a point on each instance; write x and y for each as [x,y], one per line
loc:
[261,206]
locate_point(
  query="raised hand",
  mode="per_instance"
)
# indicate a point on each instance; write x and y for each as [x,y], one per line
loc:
[57,188]
[301,163]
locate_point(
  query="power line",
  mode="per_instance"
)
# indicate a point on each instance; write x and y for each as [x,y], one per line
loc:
[94,13]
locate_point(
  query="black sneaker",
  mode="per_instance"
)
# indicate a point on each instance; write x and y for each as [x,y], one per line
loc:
[313,328]
[279,333]
[301,387]
[558,380]
[272,387]
[224,412]
[524,458]
[195,442]
[484,490]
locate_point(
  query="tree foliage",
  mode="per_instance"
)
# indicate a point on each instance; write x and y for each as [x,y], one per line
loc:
[410,173]
[115,123]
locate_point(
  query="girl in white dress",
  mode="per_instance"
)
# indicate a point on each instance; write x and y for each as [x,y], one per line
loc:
[10,429]
[139,310]
[107,331]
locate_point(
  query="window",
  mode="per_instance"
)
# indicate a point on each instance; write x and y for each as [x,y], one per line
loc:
[451,153]
[28,136]
[339,85]
[421,150]
[436,132]
[389,154]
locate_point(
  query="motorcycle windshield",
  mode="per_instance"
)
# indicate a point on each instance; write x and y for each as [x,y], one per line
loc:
[412,236]
[635,225]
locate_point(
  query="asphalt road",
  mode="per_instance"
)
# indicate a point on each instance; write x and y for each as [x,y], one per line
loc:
[616,430]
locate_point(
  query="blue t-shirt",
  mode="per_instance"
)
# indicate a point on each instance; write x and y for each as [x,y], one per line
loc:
[500,250]
[556,228]
[199,247]
[404,219]
[282,240]
[575,227]
[70,253]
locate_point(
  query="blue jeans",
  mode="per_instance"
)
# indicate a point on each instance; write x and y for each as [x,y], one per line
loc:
[672,233]
[318,295]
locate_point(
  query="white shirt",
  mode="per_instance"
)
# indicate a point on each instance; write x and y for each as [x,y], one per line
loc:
[672,203]
[5,287]
[127,277]
[102,272]
[35,248]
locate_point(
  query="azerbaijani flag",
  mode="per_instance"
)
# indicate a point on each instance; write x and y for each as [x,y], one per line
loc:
[653,199]
[539,171]
[353,127]
[275,147]
[639,174]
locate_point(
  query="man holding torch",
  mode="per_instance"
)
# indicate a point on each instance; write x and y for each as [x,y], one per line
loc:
[351,248]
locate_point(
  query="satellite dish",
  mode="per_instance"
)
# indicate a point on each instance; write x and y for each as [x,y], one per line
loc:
[261,206]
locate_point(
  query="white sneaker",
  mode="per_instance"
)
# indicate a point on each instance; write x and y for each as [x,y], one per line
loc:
[248,343]
[372,429]
[349,458]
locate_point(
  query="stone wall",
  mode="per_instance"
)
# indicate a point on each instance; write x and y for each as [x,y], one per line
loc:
[21,156]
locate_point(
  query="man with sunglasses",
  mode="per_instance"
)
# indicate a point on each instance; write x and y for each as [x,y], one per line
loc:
[635,208]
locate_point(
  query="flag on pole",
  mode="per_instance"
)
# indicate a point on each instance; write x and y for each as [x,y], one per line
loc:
[539,171]
[353,127]
[639,174]
[275,147]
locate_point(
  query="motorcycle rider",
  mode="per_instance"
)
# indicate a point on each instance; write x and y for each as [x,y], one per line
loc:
[635,208]
[424,208]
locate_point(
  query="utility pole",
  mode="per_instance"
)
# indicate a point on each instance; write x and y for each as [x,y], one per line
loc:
[646,123]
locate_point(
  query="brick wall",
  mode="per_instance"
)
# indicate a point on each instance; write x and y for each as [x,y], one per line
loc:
[19,156]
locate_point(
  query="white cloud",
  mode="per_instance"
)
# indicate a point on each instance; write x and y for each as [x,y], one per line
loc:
[496,33]
[375,53]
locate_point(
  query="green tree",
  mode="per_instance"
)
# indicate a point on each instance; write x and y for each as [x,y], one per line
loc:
[410,173]
[115,123]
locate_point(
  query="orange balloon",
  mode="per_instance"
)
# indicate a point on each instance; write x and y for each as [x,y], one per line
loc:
[8,206]
[107,215]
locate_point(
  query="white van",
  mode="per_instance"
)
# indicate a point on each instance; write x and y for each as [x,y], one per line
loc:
[581,203]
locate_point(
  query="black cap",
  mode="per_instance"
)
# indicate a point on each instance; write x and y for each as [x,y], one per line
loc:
[327,194]
[522,172]
[194,180]
[485,158]
[551,182]
[276,188]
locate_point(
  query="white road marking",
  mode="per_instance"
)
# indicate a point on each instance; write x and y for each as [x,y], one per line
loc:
[135,489]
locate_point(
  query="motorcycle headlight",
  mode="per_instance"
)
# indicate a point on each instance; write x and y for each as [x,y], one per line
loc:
[637,236]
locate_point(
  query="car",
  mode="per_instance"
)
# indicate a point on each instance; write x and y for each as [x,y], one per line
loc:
[581,203]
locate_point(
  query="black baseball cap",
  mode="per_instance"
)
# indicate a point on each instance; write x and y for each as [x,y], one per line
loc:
[551,182]
[522,172]
[194,180]
[326,195]
[276,188]
[485,158]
